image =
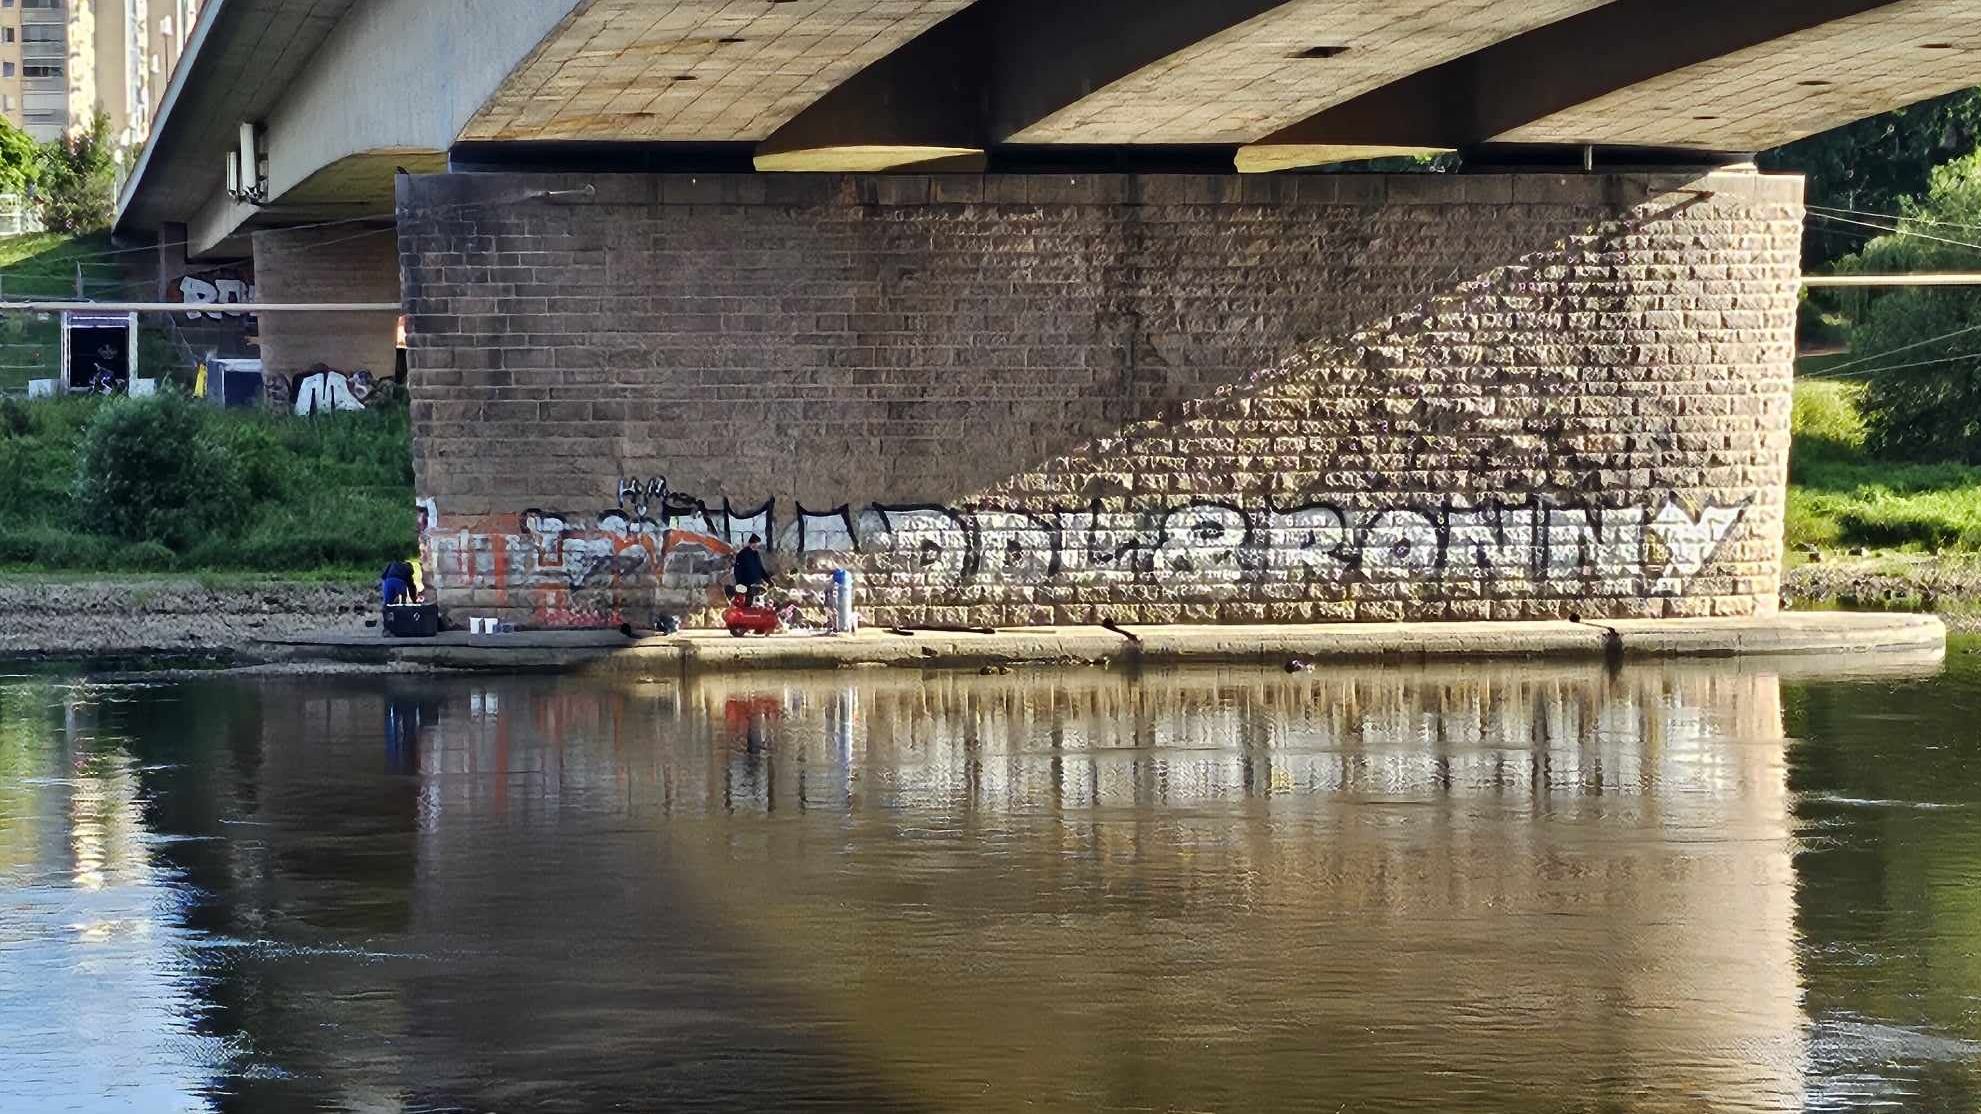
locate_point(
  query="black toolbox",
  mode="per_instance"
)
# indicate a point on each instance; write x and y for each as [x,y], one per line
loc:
[412,620]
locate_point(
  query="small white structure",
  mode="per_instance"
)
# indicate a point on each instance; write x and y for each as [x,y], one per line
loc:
[41,388]
[94,342]
[233,382]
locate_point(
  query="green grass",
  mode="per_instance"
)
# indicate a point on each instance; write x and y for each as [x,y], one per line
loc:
[42,266]
[326,498]
[1840,496]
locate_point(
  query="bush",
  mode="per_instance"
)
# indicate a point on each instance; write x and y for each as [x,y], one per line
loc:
[257,453]
[1918,347]
[15,421]
[143,557]
[42,546]
[168,483]
[148,471]
[1826,425]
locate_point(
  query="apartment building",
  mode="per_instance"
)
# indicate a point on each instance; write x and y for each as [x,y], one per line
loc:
[62,60]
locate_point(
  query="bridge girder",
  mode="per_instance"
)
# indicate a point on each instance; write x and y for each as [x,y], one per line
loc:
[883,85]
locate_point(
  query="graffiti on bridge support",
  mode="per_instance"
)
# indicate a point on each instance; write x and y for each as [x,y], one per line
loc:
[667,551]
[1660,547]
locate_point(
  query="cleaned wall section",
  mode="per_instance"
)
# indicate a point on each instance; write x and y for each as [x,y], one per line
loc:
[1038,399]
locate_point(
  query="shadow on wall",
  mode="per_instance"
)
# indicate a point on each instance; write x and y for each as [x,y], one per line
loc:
[1215,411]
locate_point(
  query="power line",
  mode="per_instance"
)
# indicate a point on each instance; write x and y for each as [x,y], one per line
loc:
[1894,216]
[1918,278]
[1899,231]
[1892,367]
[211,268]
[422,211]
[1903,348]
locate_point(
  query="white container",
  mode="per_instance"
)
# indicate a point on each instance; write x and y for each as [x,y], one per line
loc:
[481,626]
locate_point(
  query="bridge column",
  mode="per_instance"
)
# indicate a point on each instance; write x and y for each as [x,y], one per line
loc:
[1046,399]
[337,263]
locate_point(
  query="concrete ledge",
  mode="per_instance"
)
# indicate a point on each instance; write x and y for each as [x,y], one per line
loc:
[1837,633]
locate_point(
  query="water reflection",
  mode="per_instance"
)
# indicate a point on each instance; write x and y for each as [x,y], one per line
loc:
[95,993]
[1511,888]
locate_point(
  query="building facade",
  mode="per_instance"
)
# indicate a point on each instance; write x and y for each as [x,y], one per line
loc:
[63,60]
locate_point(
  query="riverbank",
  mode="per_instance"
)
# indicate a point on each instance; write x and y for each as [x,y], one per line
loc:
[321,625]
[1946,585]
[43,616]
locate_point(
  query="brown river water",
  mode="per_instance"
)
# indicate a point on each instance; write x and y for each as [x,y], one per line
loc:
[1738,886]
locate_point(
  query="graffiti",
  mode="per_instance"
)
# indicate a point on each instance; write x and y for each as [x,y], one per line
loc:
[323,389]
[661,551]
[569,571]
[217,289]
[1658,549]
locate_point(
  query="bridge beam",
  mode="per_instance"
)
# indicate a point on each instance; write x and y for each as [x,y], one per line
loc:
[1474,99]
[987,73]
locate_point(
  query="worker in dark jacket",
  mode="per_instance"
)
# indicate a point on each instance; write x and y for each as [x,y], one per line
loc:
[751,576]
[395,585]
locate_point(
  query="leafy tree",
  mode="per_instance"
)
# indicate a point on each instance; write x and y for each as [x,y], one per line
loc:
[20,159]
[1871,164]
[1921,346]
[76,191]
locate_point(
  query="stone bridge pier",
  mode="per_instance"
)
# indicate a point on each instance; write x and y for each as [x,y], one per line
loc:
[1023,399]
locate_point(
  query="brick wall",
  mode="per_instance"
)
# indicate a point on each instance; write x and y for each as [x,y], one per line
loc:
[337,263]
[1038,399]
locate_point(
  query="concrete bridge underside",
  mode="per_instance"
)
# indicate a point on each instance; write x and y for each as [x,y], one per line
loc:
[347,93]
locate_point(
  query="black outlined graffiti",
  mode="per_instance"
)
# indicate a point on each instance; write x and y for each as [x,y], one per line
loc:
[1657,548]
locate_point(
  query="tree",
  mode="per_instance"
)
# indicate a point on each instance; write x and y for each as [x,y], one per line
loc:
[20,159]
[1871,164]
[1921,346]
[76,192]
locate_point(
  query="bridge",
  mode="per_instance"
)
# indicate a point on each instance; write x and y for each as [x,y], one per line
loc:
[1045,312]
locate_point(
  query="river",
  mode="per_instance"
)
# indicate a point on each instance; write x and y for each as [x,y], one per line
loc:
[1748,885]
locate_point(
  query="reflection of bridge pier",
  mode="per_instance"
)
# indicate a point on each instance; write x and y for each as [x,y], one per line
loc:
[1275,868]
